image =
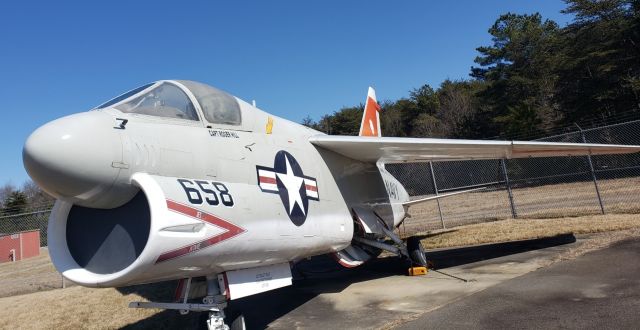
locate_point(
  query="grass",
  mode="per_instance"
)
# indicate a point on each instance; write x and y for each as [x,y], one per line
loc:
[28,298]
[620,196]
[31,266]
[78,307]
[513,230]
[81,308]
[29,275]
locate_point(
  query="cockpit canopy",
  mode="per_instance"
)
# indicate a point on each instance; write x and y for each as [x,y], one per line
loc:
[163,100]
[176,99]
[217,106]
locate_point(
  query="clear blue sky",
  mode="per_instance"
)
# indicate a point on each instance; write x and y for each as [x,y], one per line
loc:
[295,58]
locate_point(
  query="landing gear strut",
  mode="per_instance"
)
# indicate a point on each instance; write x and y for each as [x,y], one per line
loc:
[214,303]
[412,250]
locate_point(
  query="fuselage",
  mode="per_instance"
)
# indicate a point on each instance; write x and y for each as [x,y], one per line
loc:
[177,179]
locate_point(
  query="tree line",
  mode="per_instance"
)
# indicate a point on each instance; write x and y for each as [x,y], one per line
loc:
[27,198]
[534,78]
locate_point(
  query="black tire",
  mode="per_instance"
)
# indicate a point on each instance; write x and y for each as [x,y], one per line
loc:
[416,251]
[234,318]
[238,323]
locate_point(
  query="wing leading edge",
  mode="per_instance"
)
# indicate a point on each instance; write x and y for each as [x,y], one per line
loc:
[395,149]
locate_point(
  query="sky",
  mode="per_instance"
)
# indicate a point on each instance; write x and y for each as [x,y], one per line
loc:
[295,58]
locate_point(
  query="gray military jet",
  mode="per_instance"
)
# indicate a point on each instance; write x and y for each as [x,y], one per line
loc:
[179,180]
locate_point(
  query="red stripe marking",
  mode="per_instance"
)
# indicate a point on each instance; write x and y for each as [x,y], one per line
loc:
[342,262]
[346,265]
[232,231]
[265,179]
[179,288]
[312,188]
[227,292]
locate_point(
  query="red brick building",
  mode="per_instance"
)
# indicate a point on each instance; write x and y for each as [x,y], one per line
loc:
[18,246]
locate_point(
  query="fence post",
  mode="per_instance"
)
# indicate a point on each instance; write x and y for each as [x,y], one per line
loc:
[435,188]
[593,172]
[508,184]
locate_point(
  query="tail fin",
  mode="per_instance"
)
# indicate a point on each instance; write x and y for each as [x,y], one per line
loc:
[370,125]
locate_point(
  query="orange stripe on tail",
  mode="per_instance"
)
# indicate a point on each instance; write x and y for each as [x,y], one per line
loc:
[370,125]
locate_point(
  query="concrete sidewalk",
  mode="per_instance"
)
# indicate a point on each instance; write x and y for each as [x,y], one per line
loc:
[378,295]
[599,290]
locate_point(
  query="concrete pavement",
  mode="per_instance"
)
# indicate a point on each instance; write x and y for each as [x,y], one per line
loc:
[379,295]
[599,290]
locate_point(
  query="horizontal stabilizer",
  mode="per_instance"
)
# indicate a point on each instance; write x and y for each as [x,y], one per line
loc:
[397,150]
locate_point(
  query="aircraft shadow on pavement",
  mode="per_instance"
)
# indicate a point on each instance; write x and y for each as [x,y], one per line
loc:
[466,255]
[323,275]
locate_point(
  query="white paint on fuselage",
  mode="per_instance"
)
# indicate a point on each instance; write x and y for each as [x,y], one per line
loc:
[161,150]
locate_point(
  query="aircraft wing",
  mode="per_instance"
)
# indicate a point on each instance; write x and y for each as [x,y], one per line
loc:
[396,149]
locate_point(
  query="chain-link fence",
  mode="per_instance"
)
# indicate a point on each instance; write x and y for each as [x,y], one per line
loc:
[26,221]
[517,188]
[528,188]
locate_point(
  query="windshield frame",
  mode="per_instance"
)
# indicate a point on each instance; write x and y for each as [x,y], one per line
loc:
[110,103]
[150,87]
[166,100]
[244,125]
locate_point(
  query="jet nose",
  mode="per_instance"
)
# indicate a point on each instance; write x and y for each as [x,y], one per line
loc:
[75,158]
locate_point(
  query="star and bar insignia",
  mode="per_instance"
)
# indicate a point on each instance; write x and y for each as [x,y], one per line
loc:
[287,179]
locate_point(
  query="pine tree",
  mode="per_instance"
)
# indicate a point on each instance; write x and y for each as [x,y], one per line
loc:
[15,203]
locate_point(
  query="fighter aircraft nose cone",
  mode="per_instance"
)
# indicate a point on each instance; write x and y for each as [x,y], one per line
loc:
[72,158]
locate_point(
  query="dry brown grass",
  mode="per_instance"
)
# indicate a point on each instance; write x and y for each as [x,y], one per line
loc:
[520,229]
[85,308]
[79,307]
[71,308]
[619,196]
[29,275]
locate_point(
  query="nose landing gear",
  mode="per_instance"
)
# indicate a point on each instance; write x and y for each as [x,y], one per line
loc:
[214,303]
